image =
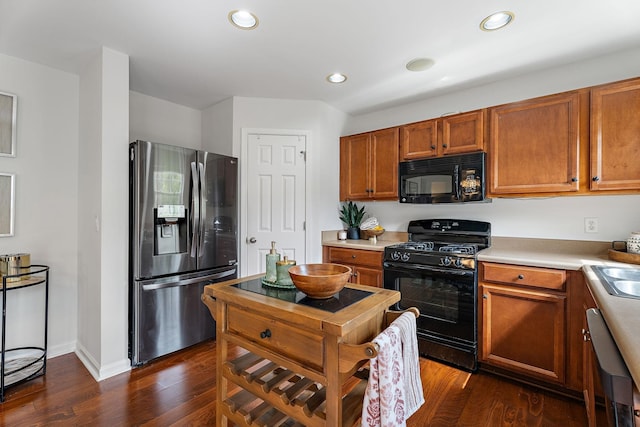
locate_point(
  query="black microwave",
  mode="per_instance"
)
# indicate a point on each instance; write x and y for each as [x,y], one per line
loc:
[450,179]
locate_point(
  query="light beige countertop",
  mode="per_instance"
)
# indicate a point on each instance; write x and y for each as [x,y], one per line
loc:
[330,238]
[564,254]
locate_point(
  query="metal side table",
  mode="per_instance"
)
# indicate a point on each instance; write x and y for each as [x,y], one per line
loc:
[21,364]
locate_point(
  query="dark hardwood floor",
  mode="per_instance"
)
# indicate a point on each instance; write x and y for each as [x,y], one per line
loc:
[180,390]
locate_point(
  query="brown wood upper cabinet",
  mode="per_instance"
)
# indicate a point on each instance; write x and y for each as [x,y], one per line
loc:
[459,133]
[615,136]
[534,145]
[369,165]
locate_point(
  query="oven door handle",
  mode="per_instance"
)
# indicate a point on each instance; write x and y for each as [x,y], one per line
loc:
[401,267]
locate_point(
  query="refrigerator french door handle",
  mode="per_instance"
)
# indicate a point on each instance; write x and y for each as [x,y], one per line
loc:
[195,209]
[203,208]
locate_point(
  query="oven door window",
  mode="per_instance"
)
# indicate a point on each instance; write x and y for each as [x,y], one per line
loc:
[446,301]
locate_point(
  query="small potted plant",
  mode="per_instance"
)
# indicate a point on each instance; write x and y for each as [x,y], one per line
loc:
[352,216]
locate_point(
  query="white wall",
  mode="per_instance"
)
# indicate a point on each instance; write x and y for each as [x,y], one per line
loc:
[46,169]
[557,218]
[89,177]
[217,128]
[103,214]
[157,120]
[114,274]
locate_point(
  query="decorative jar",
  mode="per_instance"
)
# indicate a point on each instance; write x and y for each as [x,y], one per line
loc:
[633,243]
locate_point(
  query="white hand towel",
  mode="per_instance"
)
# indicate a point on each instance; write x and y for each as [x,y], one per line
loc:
[394,391]
[384,399]
[412,382]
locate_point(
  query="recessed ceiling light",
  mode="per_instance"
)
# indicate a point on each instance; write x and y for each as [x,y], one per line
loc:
[496,21]
[420,64]
[336,78]
[243,19]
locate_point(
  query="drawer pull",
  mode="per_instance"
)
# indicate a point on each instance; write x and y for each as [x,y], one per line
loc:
[520,276]
[265,334]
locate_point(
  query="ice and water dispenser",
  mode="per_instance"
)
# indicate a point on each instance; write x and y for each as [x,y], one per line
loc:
[170,229]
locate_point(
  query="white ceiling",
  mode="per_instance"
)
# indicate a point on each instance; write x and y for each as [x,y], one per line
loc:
[186,51]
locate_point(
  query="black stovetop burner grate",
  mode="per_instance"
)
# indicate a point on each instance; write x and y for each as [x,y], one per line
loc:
[417,246]
[468,249]
[451,235]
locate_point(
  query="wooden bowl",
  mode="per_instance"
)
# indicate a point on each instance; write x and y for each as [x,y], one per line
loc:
[320,280]
[366,234]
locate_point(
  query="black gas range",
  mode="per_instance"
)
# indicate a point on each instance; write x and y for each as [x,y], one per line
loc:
[436,271]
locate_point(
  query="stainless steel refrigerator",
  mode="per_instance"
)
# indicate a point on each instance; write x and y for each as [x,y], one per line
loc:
[183,236]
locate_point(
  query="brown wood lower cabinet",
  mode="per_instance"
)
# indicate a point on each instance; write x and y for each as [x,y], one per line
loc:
[366,264]
[529,324]
[523,330]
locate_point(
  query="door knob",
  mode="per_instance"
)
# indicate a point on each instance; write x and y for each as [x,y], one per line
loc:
[251,240]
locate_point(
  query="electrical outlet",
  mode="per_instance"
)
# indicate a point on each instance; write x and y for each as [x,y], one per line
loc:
[591,225]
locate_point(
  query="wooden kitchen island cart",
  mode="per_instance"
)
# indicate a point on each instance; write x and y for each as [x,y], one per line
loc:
[286,359]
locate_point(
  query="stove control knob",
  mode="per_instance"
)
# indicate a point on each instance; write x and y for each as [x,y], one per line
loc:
[395,255]
[405,256]
[446,261]
[458,263]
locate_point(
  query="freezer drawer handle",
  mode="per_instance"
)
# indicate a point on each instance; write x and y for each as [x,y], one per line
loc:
[209,279]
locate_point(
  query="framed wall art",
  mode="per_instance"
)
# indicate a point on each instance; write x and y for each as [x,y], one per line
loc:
[7,202]
[8,111]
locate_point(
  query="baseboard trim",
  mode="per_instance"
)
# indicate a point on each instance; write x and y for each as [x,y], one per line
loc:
[98,372]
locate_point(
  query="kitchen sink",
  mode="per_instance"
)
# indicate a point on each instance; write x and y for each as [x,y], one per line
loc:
[619,281]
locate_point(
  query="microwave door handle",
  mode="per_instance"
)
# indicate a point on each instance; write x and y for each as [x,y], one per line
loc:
[456,181]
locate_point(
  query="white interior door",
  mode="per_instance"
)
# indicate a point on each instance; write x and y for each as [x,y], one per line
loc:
[275,204]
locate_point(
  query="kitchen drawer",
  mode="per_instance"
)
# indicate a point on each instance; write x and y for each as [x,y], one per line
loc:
[537,277]
[287,341]
[355,256]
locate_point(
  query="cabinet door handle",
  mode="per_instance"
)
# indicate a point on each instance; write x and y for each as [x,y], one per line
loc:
[484,296]
[520,276]
[353,256]
[595,179]
[444,145]
[265,334]
[433,147]
[574,179]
